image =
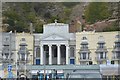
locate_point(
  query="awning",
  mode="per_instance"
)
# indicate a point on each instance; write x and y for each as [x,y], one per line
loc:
[109,69]
[88,75]
[40,71]
[34,72]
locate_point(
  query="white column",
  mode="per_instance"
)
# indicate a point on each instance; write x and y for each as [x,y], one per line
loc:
[58,54]
[103,55]
[50,54]
[41,55]
[81,55]
[115,55]
[25,56]
[99,55]
[86,55]
[67,54]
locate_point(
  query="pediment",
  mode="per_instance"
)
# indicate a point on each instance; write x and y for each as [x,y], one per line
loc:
[54,37]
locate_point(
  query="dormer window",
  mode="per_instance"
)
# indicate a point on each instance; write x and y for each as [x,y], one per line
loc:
[101,45]
[23,39]
[101,42]
[84,38]
[6,39]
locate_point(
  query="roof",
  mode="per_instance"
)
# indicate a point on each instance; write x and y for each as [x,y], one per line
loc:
[85,75]
[56,24]
[62,67]
[109,69]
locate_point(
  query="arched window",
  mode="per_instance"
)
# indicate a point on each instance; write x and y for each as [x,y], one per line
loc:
[72,52]
[37,51]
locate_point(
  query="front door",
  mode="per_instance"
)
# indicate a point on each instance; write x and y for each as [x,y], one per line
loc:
[37,61]
[72,61]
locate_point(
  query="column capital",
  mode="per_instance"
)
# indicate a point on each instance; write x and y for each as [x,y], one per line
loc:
[59,45]
[67,45]
[49,45]
[41,45]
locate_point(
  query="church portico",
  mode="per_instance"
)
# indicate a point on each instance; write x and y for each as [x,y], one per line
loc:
[57,38]
[54,54]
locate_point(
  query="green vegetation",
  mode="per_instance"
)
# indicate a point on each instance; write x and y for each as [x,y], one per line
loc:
[70,4]
[20,15]
[113,27]
[96,11]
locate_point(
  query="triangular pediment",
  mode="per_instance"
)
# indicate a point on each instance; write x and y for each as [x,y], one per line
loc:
[53,37]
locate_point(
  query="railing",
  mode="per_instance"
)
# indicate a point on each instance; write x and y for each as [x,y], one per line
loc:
[7,60]
[101,58]
[86,59]
[115,58]
[23,60]
[6,43]
[84,47]
[104,47]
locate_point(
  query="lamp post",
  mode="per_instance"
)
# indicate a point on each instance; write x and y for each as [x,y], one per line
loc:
[9,58]
[44,65]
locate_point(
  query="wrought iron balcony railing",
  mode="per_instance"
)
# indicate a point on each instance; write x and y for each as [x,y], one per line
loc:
[7,60]
[85,59]
[101,58]
[116,58]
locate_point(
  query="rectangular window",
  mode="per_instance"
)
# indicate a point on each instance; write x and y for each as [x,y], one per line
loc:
[7,39]
[22,48]
[101,46]
[84,46]
[112,62]
[84,55]
[101,55]
[23,56]
[37,51]
[71,52]
[117,45]
[118,55]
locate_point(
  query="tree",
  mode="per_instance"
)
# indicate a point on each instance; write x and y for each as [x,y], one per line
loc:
[96,11]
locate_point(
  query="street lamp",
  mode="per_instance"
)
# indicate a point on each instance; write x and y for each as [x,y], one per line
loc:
[44,66]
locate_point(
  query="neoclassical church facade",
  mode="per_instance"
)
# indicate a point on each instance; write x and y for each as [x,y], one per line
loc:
[55,45]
